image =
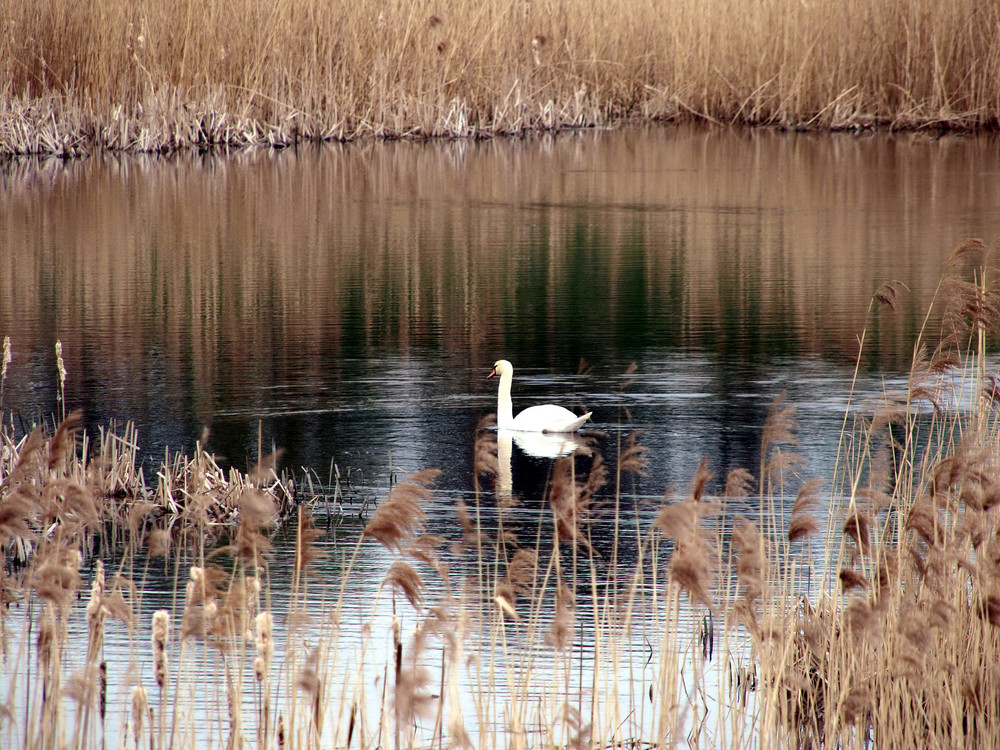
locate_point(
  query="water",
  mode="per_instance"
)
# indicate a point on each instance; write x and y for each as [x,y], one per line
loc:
[348,302]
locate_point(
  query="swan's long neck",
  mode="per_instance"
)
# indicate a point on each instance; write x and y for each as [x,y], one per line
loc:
[505,409]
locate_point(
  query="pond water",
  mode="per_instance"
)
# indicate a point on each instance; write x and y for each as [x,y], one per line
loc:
[346,303]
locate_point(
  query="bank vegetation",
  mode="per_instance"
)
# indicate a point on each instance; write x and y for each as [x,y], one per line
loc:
[140,76]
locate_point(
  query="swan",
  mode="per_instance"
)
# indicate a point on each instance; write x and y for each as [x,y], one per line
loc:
[544,418]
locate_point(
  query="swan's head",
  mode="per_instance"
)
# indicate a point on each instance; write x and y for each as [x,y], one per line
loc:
[501,367]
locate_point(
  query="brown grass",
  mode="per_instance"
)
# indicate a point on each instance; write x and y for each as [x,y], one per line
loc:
[79,76]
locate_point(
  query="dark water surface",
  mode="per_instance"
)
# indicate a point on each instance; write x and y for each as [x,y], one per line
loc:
[350,301]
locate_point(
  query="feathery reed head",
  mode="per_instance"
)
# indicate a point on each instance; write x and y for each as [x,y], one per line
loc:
[401,515]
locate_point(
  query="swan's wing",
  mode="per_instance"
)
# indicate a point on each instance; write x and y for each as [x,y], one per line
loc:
[548,418]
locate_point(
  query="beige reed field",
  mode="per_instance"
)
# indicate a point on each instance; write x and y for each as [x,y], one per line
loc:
[128,75]
[514,641]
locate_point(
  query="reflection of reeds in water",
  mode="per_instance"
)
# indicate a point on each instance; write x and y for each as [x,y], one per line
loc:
[861,610]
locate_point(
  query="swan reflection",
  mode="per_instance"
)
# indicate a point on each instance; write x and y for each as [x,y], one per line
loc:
[538,444]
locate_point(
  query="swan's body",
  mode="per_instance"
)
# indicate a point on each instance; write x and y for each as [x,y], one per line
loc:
[544,418]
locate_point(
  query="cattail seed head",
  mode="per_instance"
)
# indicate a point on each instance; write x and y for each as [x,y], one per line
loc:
[140,703]
[264,642]
[161,637]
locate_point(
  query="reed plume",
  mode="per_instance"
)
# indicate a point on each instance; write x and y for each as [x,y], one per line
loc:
[751,565]
[777,435]
[403,577]
[803,522]
[399,517]
[560,632]
[691,565]
[634,457]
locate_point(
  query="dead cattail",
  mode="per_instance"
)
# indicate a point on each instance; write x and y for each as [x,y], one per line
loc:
[3,366]
[160,638]
[102,690]
[940,615]
[96,613]
[779,430]
[140,705]
[991,392]
[486,460]
[970,308]
[472,537]
[264,643]
[306,551]
[61,370]
[779,425]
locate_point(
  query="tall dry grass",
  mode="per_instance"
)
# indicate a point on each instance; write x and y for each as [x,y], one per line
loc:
[756,610]
[148,76]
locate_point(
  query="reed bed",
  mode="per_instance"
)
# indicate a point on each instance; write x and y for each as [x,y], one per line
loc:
[766,608]
[157,77]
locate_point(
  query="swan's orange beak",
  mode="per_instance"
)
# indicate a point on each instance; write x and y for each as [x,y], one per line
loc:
[492,373]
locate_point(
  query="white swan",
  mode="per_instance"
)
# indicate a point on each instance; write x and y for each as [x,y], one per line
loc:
[544,418]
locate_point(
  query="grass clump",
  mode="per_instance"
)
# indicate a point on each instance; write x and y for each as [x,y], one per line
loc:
[158,77]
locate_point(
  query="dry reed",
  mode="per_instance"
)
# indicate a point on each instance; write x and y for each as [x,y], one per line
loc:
[79,77]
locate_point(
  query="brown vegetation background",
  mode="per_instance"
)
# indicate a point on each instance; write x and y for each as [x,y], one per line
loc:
[152,76]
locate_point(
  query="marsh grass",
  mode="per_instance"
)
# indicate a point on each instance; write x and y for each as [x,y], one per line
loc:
[857,610]
[116,75]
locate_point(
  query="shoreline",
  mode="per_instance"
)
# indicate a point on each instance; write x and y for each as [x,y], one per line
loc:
[69,135]
[159,79]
